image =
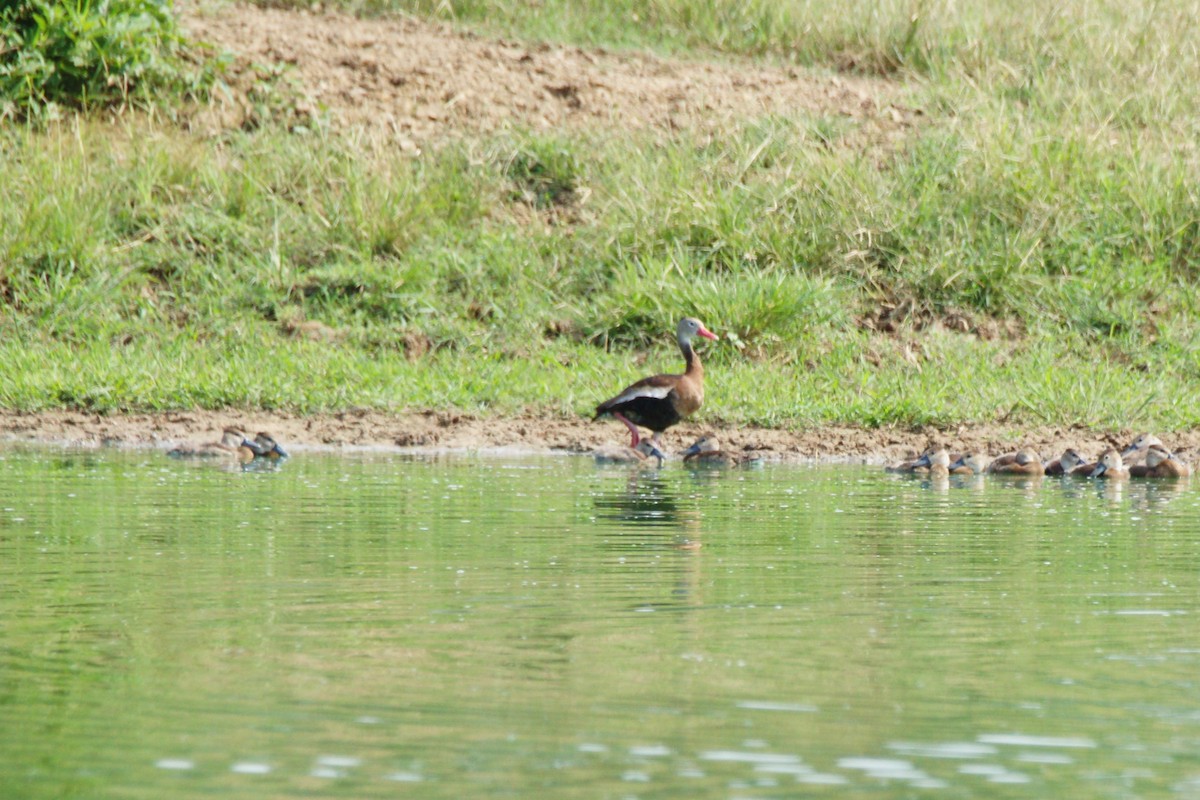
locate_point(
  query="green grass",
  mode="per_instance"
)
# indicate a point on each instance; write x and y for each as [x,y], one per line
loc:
[1052,190]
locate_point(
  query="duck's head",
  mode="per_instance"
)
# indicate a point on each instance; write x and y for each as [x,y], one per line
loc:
[1143,442]
[649,449]
[931,457]
[1028,457]
[1157,454]
[1110,461]
[1070,459]
[233,437]
[266,442]
[705,444]
[976,462]
[689,328]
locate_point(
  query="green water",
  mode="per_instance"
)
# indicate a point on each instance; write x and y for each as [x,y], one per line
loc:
[377,626]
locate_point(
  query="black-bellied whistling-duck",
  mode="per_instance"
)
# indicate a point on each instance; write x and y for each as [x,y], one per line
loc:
[1110,466]
[660,401]
[270,448]
[620,454]
[1023,462]
[1066,463]
[969,464]
[233,446]
[1160,463]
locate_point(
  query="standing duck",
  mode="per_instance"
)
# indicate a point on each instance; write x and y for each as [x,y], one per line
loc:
[619,454]
[707,451]
[233,445]
[1160,463]
[660,401]
[1023,462]
[1110,466]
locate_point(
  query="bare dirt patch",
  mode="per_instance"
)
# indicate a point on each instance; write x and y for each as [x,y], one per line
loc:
[441,431]
[418,82]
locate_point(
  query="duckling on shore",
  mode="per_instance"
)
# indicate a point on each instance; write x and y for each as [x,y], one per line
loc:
[233,446]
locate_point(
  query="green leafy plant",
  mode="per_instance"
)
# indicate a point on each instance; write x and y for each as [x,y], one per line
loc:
[88,53]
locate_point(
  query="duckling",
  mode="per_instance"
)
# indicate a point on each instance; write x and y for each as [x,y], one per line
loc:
[270,448]
[1135,451]
[969,464]
[621,454]
[1160,463]
[938,463]
[1064,464]
[1110,466]
[707,451]
[1023,462]
[233,445]
[917,464]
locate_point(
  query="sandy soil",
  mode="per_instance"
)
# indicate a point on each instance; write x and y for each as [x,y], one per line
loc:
[440,431]
[418,83]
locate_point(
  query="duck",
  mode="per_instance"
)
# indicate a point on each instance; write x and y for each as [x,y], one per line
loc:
[1110,466]
[270,448]
[917,464]
[618,454]
[1160,463]
[233,445]
[707,451]
[1135,451]
[969,464]
[1022,462]
[1066,463]
[660,401]
[937,461]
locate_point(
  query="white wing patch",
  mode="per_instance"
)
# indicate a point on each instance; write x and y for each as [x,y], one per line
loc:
[634,392]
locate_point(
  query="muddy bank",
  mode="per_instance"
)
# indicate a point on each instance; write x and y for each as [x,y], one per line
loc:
[426,431]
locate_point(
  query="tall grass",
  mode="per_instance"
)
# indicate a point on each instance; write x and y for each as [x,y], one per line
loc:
[1029,252]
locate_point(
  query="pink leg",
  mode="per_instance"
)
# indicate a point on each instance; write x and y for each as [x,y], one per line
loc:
[632,429]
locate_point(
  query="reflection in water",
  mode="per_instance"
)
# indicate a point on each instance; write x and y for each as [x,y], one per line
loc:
[543,627]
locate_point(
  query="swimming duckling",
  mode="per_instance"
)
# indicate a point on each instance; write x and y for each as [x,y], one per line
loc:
[1160,463]
[969,464]
[233,445]
[938,463]
[1023,462]
[1135,451]
[707,451]
[918,464]
[270,448]
[623,454]
[1110,466]
[1064,464]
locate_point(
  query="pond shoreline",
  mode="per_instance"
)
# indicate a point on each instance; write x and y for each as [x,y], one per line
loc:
[445,431]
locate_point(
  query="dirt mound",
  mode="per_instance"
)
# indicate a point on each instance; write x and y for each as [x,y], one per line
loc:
[419,82]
